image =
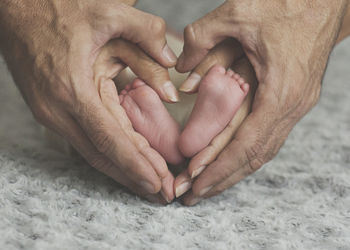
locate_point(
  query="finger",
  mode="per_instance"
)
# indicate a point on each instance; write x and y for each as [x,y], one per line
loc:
[199,162]
[167,190]
[189,199]
[109,97]
[182,183]
[140,63]
[113,139]
[232,180]
[83,145]
[66,126]
[223,54]
[257,141]
[145,30]
[203,35]
[155,198]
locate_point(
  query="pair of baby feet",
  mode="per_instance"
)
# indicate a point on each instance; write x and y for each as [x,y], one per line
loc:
[220,95]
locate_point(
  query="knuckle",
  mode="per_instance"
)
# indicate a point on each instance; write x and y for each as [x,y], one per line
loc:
[219,189]
[227,172]
[158,25]
[98,161]
[189,33]
[209,61]
[150,65]
[254,157]
[192,35]
[226,169]
[103,143]
[153,72]
[61,95]
[41,114]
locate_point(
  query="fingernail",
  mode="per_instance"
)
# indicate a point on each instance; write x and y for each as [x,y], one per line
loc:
[191,82]
[148,186]
[154,199]
[205,190]
[197,172]
[183,188]
[194,201]
[169,54]
[171,91]
[165,197]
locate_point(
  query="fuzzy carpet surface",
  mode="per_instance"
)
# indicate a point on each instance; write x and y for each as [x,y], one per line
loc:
[300,200]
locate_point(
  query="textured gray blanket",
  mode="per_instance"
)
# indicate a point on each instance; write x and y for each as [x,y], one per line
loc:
[301,200]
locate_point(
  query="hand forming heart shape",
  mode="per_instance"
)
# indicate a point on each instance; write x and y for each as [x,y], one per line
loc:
[219,99]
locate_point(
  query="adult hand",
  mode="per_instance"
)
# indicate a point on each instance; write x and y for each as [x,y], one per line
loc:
[288,44]
[50,47]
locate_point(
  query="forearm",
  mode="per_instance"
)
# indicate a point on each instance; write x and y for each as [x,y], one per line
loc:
[26,26]
[24,20]
[345,28]
[20,17]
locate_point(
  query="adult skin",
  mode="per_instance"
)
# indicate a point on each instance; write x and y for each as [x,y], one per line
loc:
[288,43]
[50,47]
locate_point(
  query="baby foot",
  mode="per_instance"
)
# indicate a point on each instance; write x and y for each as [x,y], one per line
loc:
[220,95]
[150,118]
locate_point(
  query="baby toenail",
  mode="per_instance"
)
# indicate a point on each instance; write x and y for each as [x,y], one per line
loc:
[191,83]
[205,190]
[183,188]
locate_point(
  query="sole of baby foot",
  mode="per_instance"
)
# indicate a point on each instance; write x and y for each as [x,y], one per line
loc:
[220,95]
[150,118]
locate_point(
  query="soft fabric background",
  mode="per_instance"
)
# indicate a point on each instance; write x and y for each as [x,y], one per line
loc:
[301,200]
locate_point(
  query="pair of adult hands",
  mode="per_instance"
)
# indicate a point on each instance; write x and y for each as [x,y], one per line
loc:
[51,46]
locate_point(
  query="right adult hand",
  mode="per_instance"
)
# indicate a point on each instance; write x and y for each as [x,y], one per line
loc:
[288,45]
[51,46]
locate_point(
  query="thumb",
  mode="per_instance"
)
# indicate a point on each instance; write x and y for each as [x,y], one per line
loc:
[140,63]
[143,29]
[203,35]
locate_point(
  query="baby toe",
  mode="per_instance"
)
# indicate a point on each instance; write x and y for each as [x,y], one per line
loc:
[137,83]
[121,99]
[127,87]
[217,69]
[236,76]
[230,73]
[245,87]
